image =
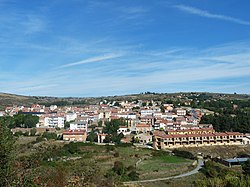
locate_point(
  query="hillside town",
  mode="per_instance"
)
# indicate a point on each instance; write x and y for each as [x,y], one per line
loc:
[153,123]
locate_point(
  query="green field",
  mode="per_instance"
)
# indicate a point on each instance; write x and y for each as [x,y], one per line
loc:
[90,163]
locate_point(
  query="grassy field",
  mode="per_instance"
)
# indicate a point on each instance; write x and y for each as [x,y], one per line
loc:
[163,166]
[148,163]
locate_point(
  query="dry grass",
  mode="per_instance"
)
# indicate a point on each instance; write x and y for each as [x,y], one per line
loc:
[224,151]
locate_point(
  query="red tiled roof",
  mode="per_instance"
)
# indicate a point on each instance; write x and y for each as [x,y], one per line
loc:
[143,125]
[74,132]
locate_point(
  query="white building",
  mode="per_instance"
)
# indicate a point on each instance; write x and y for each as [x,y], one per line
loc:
[147,112]
[127,115]
[124,130]
[71,117]
[79,125]
[53,107]
[54,121]
[2,113]
[181,112]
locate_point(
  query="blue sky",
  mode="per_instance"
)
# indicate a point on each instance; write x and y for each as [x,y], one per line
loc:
[104,47]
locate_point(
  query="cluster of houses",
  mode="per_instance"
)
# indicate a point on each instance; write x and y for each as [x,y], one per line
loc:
[164,125]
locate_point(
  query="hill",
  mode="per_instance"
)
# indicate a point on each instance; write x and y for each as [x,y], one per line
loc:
[7,99]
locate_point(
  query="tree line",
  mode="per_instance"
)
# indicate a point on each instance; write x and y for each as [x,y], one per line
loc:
[20,120]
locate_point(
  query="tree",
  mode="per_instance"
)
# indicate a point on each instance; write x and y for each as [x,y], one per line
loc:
[162,109]
[246,167]
[30,121]
[92,137]
[6,155]
[66,125]
[112,126]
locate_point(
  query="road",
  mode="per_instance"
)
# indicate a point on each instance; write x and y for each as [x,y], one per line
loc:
[196,170]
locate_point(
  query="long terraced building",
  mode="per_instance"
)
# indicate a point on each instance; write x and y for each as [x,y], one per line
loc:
[195,138]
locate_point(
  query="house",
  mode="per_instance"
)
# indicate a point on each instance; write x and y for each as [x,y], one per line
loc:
[246,139]
[124,130]
[148,120]
[75,135]
[79,125]
[147,112]
[71,116]
[101,137]
[144,138]
[180,112]
[143,128]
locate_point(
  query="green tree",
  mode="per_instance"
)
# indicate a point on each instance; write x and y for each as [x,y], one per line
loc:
[246,167]
[30,121]
[92,136]
[6,156]
[112,126]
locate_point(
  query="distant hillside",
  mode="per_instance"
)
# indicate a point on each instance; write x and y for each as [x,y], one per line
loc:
[12,99]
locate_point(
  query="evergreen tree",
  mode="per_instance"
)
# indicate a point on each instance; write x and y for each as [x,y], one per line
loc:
[6,156]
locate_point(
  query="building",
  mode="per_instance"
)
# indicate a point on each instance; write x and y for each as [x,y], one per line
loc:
[163,140]
[144,138]
[234,161]
[54,121]
[124,130]
[143,128]
[181,112]
[75,135]
[79,125]
[191,131]
[101,137]
[246,139]
[71,117]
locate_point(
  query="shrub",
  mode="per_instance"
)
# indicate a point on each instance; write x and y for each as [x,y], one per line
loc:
[133,175]
[116,154]
[33,132]
[39,139]
[49,135]
[119,168]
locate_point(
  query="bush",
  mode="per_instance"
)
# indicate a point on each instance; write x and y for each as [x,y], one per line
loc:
[124,145]
[33,132]
[39,139]
[49,135]
[71,148]
[133,175]
[19,133]
[131,168]
[119,168]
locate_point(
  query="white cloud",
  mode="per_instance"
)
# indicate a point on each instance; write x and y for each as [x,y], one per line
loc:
[204,13]
[91,60]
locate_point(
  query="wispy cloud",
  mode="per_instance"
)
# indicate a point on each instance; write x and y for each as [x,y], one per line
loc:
[91,60]
[34,24]
[205,13]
